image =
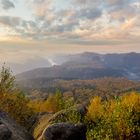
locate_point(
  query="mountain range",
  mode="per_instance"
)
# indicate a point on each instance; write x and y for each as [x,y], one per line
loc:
[88,66]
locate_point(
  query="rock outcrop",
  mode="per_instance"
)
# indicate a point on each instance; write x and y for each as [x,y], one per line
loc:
[59,117]
[5,133]
[10,130]
[65,131]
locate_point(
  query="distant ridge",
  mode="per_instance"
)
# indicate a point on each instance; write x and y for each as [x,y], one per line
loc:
[89,66]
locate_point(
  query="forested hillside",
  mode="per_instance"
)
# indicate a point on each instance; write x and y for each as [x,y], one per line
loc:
[106,108]
[88,66]
[82,90]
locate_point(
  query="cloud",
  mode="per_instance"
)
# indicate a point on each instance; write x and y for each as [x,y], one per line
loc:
[117,2]
[89,13]
[57,26]
[19,27]
[10,21]
[129,24]
[82,20]
[40,8]
[120,10]
[7,4]
[85,3]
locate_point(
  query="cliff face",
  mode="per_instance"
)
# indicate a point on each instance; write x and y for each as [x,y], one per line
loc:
[10,130]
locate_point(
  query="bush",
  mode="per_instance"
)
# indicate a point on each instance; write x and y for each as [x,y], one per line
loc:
[54,103]
[12,100]
[114,119]
[16,105]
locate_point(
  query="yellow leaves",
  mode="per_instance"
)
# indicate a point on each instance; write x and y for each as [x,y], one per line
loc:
[95,108]
[118,118]
[16,105]
[49,105]
[37,105]
[54,103]
[131,101]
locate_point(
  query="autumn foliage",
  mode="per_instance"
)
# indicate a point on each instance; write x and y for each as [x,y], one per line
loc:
[117,119]
[12,100]
[54,103]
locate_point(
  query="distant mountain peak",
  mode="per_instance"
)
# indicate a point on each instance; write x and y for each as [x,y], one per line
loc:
[89,66]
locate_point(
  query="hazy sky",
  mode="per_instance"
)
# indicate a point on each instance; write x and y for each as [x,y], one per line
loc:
[41,28]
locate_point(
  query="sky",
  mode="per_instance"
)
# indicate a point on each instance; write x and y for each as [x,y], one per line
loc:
[38,29]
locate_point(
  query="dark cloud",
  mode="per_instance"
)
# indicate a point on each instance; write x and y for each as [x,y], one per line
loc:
[7,4]
[118,3]
[89,13]
[10,21]
[69,26]
[86,2]
[22,27]
[38,1]
[15,22]
[80,1]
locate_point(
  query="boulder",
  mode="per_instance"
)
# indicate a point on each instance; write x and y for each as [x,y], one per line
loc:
[10,130]
[65,131]
[5,133]
[62,116]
